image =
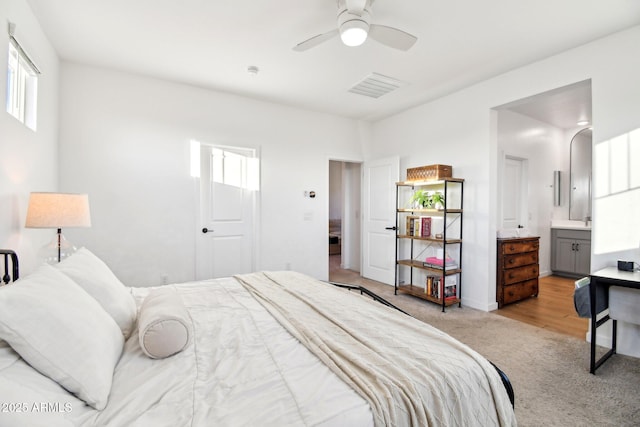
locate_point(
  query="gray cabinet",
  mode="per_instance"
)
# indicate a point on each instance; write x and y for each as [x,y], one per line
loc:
[571,252]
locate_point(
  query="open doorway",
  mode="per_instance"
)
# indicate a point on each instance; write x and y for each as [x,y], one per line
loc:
[344,219]
[539,129]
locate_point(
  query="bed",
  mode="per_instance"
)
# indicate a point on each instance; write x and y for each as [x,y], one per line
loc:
[78,348]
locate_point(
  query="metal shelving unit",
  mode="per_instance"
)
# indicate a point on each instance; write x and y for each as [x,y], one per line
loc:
[410,262]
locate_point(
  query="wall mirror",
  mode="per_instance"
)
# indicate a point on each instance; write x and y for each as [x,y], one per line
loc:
[580,176]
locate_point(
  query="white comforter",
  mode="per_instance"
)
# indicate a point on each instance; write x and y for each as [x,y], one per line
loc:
[409,372]
[242,369]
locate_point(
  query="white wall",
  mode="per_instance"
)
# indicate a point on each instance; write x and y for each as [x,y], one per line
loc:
[523,137]
[351,215]
[459,130]
[335,189]
[28,159]
[124,140]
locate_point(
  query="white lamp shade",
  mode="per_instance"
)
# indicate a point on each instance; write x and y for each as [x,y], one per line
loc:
[58,210]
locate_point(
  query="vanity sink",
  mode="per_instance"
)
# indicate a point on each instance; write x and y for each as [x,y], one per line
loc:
[571,225]
[509,233]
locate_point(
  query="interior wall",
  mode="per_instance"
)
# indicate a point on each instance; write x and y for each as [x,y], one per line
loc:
[351,216]
[335,189]
[124,140]
[539,143]
[28,159]
[460,130]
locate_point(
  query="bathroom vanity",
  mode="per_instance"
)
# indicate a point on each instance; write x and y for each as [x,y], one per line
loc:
[571,251]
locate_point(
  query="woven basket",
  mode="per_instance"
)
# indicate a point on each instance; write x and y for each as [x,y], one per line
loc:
[428,173]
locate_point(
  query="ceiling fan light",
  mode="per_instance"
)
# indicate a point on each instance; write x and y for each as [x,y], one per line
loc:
[354,32]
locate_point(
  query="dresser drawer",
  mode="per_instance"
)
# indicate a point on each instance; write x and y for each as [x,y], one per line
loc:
[520,291]
[519,247]
[520,274]
[518,260]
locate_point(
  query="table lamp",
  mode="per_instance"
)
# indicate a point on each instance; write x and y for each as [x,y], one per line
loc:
[58,210]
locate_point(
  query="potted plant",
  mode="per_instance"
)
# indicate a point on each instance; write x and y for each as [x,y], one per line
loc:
[426,200]
[438,200]
[421,199]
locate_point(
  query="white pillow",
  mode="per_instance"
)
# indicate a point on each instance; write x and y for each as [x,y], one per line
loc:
[62,332]
[93,275]
[164,325]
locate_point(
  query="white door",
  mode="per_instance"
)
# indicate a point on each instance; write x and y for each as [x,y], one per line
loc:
[225,243]
[379,210]
[513,193]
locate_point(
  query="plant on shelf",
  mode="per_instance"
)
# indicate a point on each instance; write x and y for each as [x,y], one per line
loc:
[438,200]
[427,200]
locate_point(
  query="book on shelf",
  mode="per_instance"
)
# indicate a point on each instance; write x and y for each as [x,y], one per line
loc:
[425,226]
[434,287]
[435,262]
[450,291]
[410,225]
[418,226]
[428,289]
[450,287]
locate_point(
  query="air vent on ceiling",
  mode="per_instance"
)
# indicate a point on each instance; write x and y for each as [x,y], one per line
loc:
[375,85]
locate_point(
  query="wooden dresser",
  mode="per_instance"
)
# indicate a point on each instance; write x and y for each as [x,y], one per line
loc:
[517,273]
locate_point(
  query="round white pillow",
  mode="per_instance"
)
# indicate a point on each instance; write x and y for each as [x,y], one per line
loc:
[164,324]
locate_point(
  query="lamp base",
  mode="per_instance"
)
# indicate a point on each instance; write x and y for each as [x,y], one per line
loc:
[57,249]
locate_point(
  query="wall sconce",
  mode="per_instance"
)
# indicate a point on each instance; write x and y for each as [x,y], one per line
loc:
[556,188]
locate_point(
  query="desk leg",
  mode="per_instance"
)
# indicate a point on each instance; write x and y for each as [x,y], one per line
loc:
[594,364]
[614,336]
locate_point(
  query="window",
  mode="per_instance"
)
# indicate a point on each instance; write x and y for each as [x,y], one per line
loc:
[238,169]
[22,85]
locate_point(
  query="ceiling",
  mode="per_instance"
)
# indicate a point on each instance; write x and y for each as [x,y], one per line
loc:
[562,107]
[211,43]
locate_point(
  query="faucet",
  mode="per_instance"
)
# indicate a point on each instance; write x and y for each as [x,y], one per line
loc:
[586,220]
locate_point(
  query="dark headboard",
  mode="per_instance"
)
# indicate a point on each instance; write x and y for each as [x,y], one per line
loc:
[6,277]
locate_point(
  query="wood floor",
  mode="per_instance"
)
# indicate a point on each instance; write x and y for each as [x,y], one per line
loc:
[552,309]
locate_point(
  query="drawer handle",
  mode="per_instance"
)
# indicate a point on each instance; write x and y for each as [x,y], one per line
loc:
[511,248]
[511,261]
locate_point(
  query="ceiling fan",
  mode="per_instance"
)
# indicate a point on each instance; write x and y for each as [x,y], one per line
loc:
[354,26]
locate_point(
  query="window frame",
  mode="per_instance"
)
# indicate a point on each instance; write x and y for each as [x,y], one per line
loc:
[21,85]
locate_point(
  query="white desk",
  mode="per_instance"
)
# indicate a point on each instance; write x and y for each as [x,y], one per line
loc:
[606,277]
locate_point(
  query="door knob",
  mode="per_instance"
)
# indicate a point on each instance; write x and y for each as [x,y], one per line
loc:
[206,230]
[390,228]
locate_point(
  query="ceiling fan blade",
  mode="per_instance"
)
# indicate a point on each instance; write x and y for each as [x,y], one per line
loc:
[315,41]
[392,37]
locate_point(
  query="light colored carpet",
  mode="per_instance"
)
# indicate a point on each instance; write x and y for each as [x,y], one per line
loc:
[549,371]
